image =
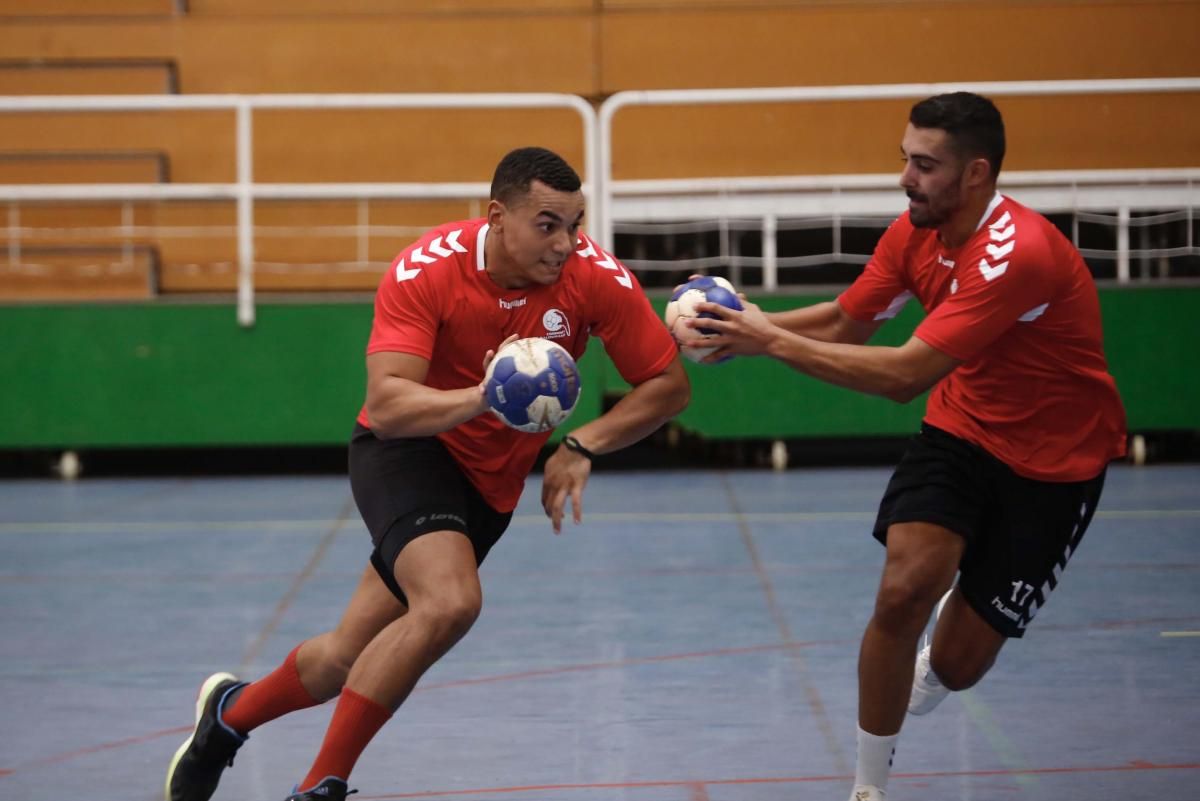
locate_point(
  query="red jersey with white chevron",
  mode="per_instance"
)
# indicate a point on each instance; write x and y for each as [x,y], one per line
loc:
[1018,306]
[438,302]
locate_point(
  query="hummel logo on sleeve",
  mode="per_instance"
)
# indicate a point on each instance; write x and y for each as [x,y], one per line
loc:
[436,247]
[438,250]
[1002,230]
[606,261]
[418,256]
[403,275]
[1000,251]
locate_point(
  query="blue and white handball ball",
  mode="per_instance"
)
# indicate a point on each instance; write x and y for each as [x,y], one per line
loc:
[682,305]
[532,384]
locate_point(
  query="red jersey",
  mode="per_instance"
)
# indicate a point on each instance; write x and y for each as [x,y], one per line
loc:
[1018,306]
[438,302]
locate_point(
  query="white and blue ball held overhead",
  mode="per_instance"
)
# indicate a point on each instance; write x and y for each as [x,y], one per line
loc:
[532,385]
[681,307]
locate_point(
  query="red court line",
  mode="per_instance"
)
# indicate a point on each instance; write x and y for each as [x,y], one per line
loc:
[775,570]
[94,749]
[1108,625]
[66,756]
[645,660]
[1137,765]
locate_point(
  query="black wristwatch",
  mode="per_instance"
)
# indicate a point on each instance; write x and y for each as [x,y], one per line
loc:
[570,443]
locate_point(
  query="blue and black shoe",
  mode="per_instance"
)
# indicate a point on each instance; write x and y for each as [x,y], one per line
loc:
[330,788]
[196,767]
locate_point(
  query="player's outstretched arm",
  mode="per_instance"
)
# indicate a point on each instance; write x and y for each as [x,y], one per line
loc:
[827,322]
[642,411]
[900,374]
[400,405]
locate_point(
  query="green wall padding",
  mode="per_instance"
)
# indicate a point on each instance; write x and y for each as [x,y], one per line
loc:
[185,374]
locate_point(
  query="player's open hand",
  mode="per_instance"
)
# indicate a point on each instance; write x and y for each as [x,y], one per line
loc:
[739,333]
[487,360]
[565,475]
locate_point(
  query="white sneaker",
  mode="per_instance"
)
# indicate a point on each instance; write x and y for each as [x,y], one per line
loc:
[866,792]
[927,690]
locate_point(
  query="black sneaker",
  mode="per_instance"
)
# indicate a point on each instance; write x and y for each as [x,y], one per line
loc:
[196,767]
[330,789]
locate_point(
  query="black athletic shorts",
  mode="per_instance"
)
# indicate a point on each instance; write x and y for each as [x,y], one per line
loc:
[1020,532]
[408,487]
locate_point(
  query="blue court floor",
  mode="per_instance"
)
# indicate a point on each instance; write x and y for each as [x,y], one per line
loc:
[694,640]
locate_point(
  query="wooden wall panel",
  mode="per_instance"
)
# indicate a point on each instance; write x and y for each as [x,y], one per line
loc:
[587,47]
[199,144]
[417,145]
[469,53]
[291,146]
[71,274]
[85,8]
[753,6]
[1084,132]
[134,79]
[856,43]
[96,39]
[81,168]
[620,47]
[380,7]
[197,243]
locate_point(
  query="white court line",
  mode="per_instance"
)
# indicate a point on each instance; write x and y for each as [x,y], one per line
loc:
[103,527]
[1179,633]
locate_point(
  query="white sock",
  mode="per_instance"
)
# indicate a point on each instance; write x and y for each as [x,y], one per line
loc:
[874,758]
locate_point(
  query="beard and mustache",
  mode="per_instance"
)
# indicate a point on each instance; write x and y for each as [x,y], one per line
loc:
[929,215]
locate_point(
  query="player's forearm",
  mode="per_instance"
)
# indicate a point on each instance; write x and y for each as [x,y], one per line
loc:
[401,408]
[863,368]
[819,321]
[640,413]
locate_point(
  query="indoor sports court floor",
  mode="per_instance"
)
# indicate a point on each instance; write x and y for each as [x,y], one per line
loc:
[694,640]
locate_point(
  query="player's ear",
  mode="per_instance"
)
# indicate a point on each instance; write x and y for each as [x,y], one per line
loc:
[979,172]
[495,213]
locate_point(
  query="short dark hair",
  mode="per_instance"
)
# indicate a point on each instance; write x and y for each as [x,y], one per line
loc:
[972,121]
[523,166]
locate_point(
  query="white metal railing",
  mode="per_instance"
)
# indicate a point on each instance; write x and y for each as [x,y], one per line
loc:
[771,200]
[244,191]
[770,205]
[603,218]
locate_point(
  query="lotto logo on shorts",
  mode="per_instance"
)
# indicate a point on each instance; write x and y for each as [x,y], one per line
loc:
[434,518]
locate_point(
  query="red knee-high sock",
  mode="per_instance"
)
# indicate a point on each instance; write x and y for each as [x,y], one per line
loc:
[356,719]
[272,696]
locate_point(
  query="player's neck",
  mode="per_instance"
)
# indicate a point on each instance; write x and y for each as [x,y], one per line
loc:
[965,222]
[500,269]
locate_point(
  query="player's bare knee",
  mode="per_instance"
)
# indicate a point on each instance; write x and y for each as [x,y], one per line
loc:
[327,663]
[337,667]
[903,605]
[453,614]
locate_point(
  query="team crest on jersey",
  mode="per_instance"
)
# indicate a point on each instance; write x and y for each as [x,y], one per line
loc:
[556,324]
